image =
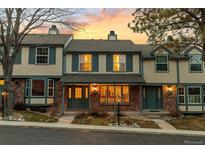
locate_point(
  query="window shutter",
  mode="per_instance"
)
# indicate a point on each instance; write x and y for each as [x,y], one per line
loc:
[109,63]
[52,55]
[32,55]
[18,57]
[75,62]
[129,63]
[95,62]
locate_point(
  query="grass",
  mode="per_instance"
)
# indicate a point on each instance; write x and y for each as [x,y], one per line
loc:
[191,123]
[38,117]
[105,119]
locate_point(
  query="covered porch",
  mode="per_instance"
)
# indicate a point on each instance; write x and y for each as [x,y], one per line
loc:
[101,92]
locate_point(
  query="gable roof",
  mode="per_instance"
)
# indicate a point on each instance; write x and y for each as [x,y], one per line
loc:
[45,39]
[101,46]
[189,48]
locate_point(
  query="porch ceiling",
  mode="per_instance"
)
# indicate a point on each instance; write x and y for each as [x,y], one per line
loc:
[102,78]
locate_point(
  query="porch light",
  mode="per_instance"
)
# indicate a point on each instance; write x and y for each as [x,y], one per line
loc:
[94,88]
[169,90]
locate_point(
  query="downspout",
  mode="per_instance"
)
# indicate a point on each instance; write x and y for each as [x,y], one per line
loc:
[63,100]
[178,81]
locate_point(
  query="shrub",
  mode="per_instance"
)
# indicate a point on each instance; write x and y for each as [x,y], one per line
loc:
[19,107]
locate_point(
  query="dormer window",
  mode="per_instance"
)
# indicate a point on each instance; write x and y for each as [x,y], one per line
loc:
[195,63]
[161,63]
[85,62]
[119,64]
[42,54]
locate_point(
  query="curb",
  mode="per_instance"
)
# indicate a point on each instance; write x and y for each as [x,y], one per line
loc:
[103,128]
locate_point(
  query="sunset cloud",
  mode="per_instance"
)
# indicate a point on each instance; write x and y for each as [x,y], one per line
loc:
[97,23]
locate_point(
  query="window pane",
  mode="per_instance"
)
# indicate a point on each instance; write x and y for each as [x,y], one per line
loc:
[111,95]
[78,92]
[86,62]
[118,93]
[194,91]
[181,91]
[125,94]
[103,94]
[161,59]
[50,88]
[196,67]
[181,99]
[38,87]
[69,93]
[42,56]
[119,63]
[196,59]
[161,67]
[86,92]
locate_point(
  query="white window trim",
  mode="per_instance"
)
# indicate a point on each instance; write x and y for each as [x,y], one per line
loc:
[32,87]
[181,94]
[80,63]
[194,95]
[36,56]
[49,87]
[119,62]
[190,55]
[167,56]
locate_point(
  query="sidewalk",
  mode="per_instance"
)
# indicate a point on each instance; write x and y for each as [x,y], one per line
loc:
[104,128]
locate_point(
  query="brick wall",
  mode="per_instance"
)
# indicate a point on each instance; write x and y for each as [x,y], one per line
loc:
[133,105]
[169,100]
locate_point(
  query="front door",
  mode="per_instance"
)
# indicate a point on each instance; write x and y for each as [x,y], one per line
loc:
[78,97]
[152,97]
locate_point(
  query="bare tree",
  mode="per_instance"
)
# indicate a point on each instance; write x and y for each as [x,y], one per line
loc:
[15,24]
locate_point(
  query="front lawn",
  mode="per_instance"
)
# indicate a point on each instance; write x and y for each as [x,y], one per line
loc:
[191,123]
[37,117]
[105,119]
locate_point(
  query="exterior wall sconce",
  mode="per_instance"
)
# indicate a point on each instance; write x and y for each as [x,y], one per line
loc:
[94,90]
[169,90]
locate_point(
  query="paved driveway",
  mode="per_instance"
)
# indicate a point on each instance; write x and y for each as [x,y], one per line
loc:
[41,136]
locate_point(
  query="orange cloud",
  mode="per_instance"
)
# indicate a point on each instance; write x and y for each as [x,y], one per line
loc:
[101,24]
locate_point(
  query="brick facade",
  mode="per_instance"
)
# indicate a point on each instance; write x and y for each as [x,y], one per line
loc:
[169,99]
[133,105]
[18,86]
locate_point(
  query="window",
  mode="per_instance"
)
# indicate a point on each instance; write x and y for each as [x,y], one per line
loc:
[42,55]
[195,63]
[50,88]
[119,63]
[27,87]
[194,94]
[78,92]
[86,92]
[204,94]
[38,87]
[85,62]
[161,63]
[112,94]
[181,93]
[69,93]
[103,94]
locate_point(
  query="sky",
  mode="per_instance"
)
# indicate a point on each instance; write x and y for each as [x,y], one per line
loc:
[97,23]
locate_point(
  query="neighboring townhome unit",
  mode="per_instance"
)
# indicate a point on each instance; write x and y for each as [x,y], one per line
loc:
[38,69]
[100,73]
[191,91]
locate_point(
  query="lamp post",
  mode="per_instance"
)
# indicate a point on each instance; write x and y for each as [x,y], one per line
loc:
[118,112]
[4,97]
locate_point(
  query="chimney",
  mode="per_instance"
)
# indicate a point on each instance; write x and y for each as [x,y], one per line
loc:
[112,36]
[53,30]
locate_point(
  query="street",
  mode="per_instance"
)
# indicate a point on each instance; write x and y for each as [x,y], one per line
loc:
[47,136]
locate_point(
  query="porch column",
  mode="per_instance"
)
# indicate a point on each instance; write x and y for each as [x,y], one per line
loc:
[63,100]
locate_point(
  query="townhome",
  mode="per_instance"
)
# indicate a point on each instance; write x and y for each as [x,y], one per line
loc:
[100,73]
[38,69]
[72,74]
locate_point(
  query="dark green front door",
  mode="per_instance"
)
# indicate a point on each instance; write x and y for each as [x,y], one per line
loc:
[78,97]
[152,97]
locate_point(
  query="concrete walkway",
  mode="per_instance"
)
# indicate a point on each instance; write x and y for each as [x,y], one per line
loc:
[66,119]
[103,128]
[163,124]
